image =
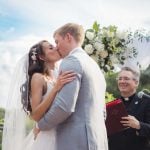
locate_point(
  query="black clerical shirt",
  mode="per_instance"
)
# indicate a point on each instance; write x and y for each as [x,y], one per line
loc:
[129,139]
[127,100]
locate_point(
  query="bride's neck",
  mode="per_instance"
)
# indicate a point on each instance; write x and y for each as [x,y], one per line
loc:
[50,69]
[51,66]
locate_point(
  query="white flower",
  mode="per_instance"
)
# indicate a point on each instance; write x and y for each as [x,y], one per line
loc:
[94,57]
[89,48]
[98,37]
[114,59]
[102,64]
[90,35]
[107,67]
[99,46]
[103,54]
[111,34]
[105,32]
[121,35]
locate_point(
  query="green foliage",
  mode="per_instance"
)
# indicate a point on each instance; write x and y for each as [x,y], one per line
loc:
[2,113]
[29,125]
[96,27]
[146,91]
[112,84]
[0,140]
[145,80]
[109,97]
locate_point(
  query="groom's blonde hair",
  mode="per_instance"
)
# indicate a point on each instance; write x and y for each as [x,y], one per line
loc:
[74,29]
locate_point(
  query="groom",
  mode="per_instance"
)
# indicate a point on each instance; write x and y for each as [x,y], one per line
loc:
[78,108]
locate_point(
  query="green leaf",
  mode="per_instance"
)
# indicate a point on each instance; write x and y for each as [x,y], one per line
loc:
[96,26]
[109,97]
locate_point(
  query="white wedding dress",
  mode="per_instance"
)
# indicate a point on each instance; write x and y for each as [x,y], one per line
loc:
[16,123]
[46,140]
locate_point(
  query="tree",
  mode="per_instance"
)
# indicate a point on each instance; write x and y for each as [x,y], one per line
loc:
[145,80]
[2,113]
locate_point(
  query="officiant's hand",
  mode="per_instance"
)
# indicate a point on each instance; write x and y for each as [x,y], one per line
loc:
[130,121]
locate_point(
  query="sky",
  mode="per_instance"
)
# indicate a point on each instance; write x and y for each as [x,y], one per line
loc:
[23,23]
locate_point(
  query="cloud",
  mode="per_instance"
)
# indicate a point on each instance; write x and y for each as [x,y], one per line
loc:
[125,14]
[31,21]
[55,13]
[49,15]
[43,17]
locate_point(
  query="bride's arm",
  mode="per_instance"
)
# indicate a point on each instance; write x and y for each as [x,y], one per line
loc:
[39,106]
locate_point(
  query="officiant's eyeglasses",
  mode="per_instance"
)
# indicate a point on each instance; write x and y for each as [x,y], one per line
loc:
[124,78]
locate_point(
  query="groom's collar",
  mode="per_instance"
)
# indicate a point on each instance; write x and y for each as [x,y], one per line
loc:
[74,50]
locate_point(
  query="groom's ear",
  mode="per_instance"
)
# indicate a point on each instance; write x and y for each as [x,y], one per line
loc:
[68,36]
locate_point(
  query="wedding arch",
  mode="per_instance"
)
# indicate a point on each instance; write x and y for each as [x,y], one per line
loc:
[108,46]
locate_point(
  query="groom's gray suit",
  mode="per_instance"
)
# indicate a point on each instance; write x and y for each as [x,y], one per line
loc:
[78,109]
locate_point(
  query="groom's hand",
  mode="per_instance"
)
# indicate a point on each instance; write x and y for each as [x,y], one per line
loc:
[36,132]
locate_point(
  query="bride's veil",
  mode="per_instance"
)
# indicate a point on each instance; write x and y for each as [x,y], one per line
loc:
[16,123]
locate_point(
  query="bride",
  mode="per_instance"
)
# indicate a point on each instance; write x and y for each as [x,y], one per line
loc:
[33,89]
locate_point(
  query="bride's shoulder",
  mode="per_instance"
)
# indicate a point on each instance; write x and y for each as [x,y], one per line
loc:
[38,77]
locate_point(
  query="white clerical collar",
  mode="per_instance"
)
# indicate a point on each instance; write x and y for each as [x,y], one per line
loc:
[129,98]
[126,99]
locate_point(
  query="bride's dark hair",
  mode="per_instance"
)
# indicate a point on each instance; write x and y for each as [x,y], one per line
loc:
[35,65]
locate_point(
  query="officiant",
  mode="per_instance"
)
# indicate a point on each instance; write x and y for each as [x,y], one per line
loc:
[137,135]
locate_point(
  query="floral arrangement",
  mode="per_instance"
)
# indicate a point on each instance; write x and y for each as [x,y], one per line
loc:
[107,46]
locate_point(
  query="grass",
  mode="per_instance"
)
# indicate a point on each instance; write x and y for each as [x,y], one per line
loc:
[0,140]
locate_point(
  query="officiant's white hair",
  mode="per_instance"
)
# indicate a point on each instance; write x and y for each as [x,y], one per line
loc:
[134,72]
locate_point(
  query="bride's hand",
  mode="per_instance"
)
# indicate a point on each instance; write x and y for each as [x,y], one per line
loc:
[64,78]
[36,132]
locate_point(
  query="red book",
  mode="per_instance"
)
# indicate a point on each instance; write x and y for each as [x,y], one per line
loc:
[115,110]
